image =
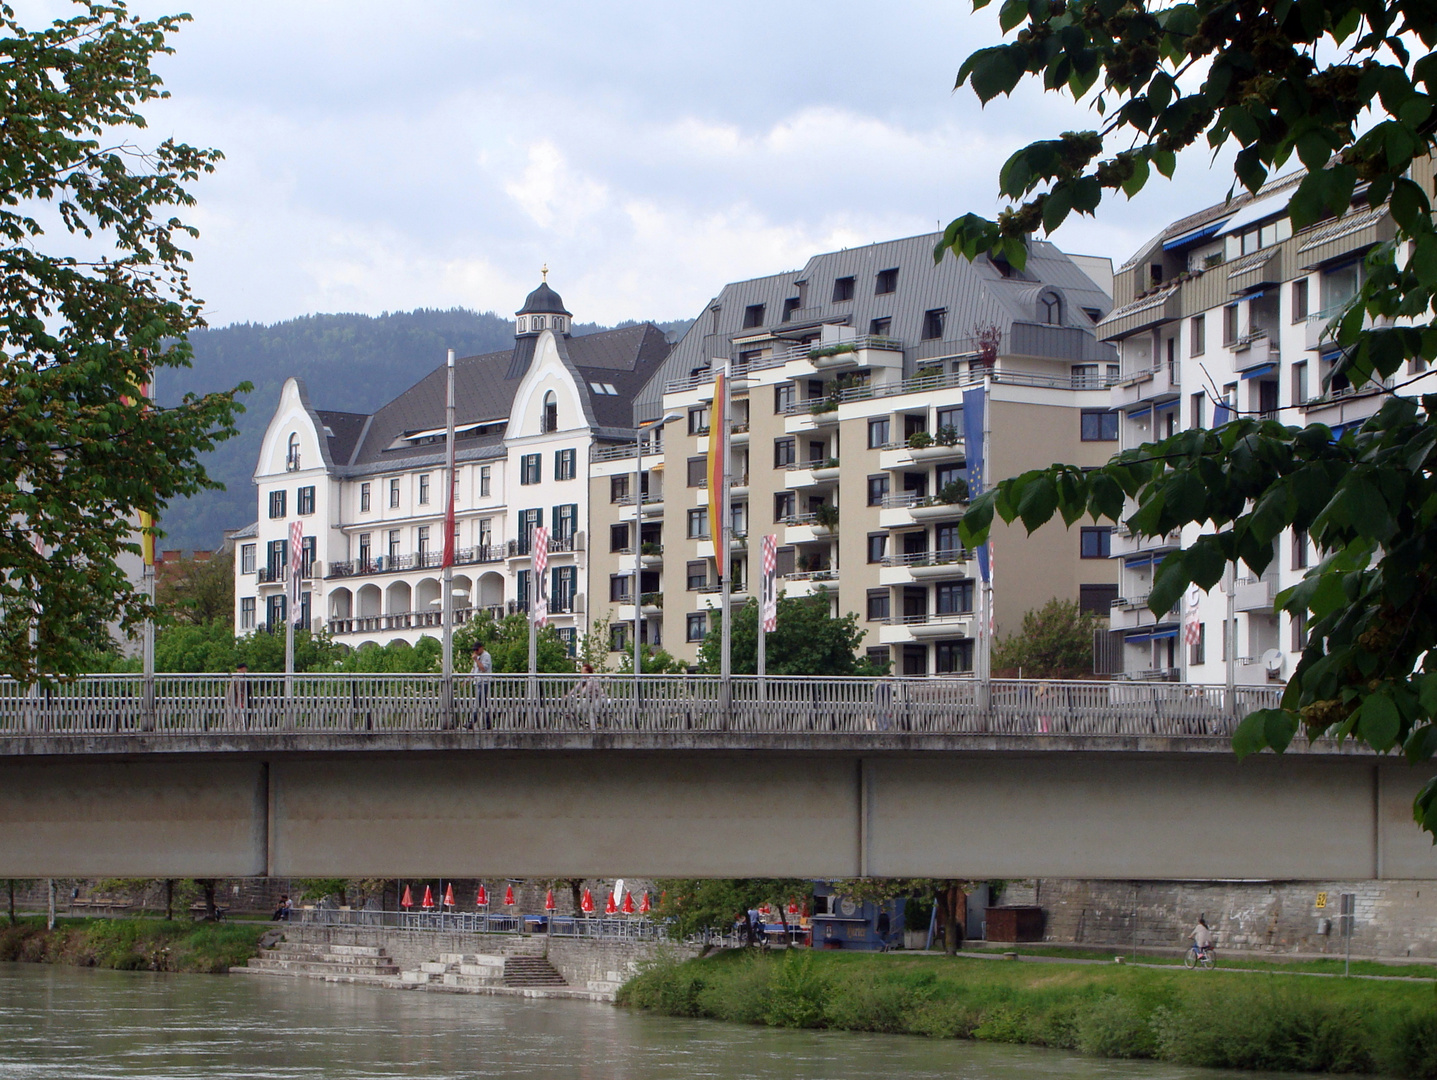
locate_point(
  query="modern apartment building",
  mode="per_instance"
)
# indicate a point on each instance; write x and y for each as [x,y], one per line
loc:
[1225,313]
[848,385]
[369,489]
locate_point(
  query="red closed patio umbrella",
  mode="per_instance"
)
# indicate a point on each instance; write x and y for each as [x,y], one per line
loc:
[428,901]
[482,900]
[549,904]
[587,905]
[644,905]
[792,907]
[407,900]
[628,908]
[449,895]
[611,908]
[509,896]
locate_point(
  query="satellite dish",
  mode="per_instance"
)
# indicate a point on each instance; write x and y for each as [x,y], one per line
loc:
[1272,661]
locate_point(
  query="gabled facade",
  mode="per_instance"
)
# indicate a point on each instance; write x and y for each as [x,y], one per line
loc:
[369,489]
[1226,313]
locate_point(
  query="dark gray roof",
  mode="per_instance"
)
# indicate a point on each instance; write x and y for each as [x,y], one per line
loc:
[343,430]
[484,388]
[543,301]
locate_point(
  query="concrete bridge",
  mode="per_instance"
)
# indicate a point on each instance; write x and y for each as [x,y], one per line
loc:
[384,776]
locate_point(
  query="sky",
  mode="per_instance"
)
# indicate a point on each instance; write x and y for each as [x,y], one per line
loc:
[382,157]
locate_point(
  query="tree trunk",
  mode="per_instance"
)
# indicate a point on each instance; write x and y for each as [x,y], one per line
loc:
[169,899]
[344,895]
[951,901]
[208,885]
[13,920]
[576,891]
[50,914]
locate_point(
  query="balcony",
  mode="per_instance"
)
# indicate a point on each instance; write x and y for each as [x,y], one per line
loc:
[924,565]
[812,474]
[1124,543]
[862,351]
[1131,613]
[808,528]
[1160,383]
[902,455]
[653,506]
[1254,594]
[808,582]
[420,560]
[901,629]
[810,414]
[558,545]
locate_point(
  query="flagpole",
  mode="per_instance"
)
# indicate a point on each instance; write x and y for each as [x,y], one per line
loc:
[724,533]
[147,559]
[447,676]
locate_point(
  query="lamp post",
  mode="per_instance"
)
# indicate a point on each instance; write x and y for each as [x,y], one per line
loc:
[639,431]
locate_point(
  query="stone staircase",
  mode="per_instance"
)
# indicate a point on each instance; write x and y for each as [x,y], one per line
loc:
[464,971]
[531,971]
[339,963]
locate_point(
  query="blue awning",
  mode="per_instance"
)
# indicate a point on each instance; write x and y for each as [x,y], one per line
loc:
[1258,295]
[1151,635]
[1140,412]
[1173,632]
[1260,370]
[1196,234]
[1134,561]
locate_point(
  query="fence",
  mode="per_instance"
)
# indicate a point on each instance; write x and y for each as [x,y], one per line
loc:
[357,704]
[601,928]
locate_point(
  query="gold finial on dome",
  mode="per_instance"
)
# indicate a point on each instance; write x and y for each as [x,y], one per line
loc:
[545,271]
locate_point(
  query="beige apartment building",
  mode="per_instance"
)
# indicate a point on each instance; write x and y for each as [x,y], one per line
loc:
[849,383]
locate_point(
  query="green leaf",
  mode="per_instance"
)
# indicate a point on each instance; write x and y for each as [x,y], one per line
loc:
[1169,583]
[992,71]
[1251,734]
[1038,502]
[1379,721]
[1011,14]
[1278,728]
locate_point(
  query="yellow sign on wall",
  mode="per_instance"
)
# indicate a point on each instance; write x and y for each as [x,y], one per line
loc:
[1322,900]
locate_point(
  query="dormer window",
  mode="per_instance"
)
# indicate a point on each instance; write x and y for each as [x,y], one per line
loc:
[291,460]
[523,327]
[1050,308]
[550,420]
[558,323]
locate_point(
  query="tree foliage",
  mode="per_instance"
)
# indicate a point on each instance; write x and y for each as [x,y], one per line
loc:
[693,905]
[1273,81]
[1056,642]
[198,591]
[807,640]
[93,297]
[949,895]
[507,640]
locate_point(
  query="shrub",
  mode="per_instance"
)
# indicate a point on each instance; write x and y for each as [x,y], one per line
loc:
[867,1001]
[740,993]
[797,993]
[920,440]
[1411,1046]
[1114,1027]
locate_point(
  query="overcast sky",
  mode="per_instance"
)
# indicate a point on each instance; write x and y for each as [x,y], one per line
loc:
[386,156]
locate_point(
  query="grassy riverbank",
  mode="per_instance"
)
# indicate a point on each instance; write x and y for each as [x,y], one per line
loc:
[133,944]
[1227,1020]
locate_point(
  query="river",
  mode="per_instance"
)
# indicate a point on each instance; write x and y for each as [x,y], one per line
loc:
[70,1022]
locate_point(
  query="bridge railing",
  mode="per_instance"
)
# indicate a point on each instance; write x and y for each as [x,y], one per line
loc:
[220,705]
[598,927]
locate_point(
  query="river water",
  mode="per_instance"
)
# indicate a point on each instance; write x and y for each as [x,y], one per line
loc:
[72,1023]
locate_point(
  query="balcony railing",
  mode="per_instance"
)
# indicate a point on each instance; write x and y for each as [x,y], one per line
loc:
[943,557]
[418,560]
[369,706]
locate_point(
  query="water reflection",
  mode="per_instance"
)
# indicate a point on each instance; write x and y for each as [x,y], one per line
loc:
[82,1023]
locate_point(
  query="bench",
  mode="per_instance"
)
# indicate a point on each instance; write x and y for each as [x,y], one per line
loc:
[99,905]
[198,911]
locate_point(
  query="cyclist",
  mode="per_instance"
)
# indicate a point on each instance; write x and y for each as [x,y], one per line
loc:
[1201,936]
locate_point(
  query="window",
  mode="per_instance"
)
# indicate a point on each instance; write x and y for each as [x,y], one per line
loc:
[752,316]
[364,552]
[697,575]
[530,468]
[945,538]
[423,489]
[247,613]
[1099,426]
[364,498]
[933,323]
[698,522]
[877,433]
[566,521]
[696,626]
[1299,300]
[619,637]
[880,327]
[1195,411]
[951,657]
[789,307]
[698,468]
[1229,324]
[529,520]
[886,282]
[1299,383]
[1097,599]
[276,504]
[568,634]
[247,558]
[618,488]
[877,547]
[291,459]
[1198,655]
[1050,309]
[1339,285]
[550,419]
[877,605]
[563,587]
[877,489]
[783,397]
[486,534]
[784,506]
[565,464]
[954,597]
[1299,632]
[948,474]
[394,543]
[394,493]
[306,556]
[951,417]
[619,538]
[699,421]
[1197,335]
[619,591]
[1299,549]
[1096,542]
[738,518]
[274,611]
[521,589]
[486,473]
[785,453]
[277,559]
[842,289]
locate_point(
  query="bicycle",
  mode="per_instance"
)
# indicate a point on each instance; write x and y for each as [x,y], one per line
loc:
[1200,957]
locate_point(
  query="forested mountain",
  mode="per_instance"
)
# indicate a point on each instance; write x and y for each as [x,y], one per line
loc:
[349,362]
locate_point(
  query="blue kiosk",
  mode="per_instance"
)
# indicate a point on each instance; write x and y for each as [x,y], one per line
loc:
[840,923]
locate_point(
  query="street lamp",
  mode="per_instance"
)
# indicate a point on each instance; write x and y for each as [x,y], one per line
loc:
[668,418]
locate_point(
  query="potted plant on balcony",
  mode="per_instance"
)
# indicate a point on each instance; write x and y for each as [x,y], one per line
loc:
[955,491]
[825,516]
[831,463]
[920,440]
[824,405]
[648,547]
[651,599]
[947,435]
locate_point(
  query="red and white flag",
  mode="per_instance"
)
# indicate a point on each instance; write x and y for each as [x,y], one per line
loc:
[540,600]
[296,567]
[1192,629]
[768,607]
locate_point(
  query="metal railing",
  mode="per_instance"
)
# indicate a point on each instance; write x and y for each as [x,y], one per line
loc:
[419,560]
[954,557]
[363,704]
[438,920]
